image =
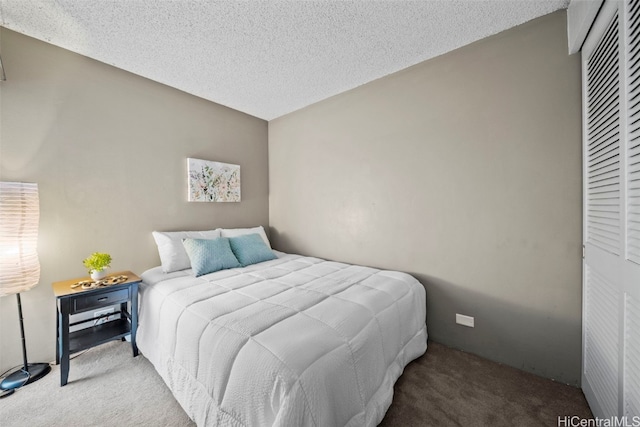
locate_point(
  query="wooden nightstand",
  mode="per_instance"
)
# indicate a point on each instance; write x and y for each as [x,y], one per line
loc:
[77,300]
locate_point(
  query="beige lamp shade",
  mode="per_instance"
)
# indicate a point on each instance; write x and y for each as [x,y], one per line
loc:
[19,216]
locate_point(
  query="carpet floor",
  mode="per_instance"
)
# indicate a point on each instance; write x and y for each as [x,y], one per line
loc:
[445,387]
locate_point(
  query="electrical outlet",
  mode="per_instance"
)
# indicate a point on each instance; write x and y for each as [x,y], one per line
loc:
[102,320]
[464,320]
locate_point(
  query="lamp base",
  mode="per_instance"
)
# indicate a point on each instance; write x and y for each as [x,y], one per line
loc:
[35,371]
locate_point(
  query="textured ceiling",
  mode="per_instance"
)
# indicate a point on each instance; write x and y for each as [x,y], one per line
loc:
[265,58]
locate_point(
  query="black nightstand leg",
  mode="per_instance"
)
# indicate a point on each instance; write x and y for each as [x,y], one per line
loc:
[134,318]
[57,336]
[124,312]
[63,317]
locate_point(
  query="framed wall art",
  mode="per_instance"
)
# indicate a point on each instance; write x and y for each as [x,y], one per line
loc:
[213,181]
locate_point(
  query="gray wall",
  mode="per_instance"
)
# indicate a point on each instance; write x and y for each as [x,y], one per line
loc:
[108,150]
[465,171]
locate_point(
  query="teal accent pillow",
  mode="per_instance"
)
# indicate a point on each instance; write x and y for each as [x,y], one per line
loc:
[251,249]
[209,255]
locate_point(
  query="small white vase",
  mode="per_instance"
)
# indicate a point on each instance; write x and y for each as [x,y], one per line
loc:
[98,274]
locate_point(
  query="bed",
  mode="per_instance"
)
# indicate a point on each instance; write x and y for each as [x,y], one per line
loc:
[295,341]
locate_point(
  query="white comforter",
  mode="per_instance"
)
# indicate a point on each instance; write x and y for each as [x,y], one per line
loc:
[296,341]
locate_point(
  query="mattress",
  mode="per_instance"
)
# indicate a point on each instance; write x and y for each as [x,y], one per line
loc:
[296,341]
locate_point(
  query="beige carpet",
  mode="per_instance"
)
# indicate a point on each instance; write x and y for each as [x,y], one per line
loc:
[107,387]
[445,387]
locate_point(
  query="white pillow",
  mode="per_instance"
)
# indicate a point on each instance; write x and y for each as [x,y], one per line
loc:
[235,232]
[171,250]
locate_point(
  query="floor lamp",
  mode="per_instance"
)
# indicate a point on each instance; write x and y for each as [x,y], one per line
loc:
[19,265]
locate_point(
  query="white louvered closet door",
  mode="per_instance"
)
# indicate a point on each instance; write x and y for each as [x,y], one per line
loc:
[611,289]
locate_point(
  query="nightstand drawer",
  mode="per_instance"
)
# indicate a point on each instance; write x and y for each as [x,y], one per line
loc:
[83,303]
